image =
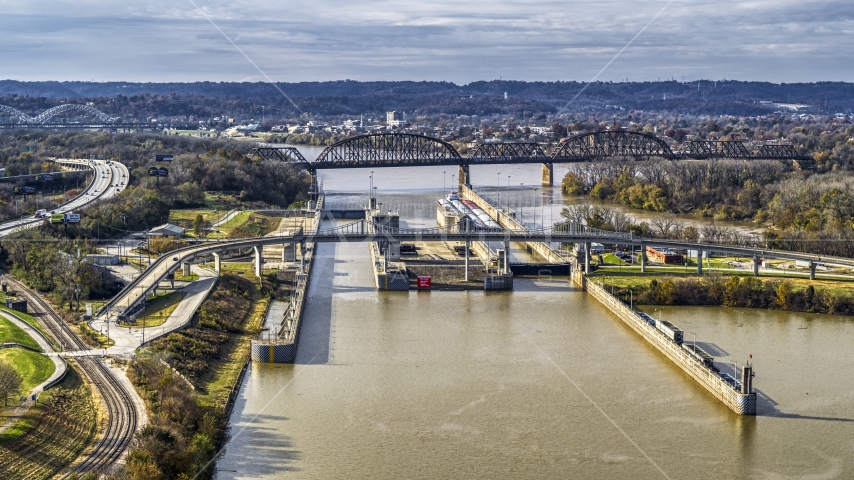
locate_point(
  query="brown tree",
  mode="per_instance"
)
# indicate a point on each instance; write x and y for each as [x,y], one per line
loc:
[10,382]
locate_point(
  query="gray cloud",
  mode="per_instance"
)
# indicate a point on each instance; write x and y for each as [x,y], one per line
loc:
[781,40]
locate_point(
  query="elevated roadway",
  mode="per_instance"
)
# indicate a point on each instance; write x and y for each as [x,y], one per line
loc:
[109,180]
[359,231]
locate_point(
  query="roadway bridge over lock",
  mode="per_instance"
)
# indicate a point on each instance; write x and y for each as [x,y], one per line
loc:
[409,150]
[362,231]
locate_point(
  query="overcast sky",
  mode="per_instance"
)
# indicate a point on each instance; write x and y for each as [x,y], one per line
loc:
[459,41]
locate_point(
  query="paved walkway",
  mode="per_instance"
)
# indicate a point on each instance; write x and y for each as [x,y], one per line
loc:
[45,346]
[225,218]
[129,339]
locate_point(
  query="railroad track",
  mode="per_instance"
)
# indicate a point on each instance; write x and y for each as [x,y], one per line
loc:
[121,410]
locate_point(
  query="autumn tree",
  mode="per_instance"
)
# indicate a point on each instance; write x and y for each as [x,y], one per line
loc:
[10,382]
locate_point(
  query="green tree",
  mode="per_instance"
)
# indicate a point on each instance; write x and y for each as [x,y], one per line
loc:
[199,225]
[191,194]
[809,297]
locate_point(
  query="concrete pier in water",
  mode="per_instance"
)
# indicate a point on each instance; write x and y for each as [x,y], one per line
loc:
[742,402]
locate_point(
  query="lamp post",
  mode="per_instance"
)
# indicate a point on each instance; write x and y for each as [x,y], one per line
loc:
[693,342]
[108,331]
[144,318]
[443,182]
[508,191]
[734,371]
[499,191]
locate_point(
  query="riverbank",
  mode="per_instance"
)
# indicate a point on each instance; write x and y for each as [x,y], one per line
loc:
[209,356]
[730,290]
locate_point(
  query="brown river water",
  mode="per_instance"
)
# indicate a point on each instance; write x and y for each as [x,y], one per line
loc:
[541,382]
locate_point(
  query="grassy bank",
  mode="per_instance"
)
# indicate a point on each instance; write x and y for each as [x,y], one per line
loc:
[186,278]
[158,309]
[225,229]
[25,317]
[187,425]
[51,435]
[255,225]
[34,367]
[11,333]
[213,349]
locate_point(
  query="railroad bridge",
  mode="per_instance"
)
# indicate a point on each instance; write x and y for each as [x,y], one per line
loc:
[409,150]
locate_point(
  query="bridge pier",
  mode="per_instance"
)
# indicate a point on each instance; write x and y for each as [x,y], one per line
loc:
[289,252]
[302,255]
[812,270]
[643,258]
[548,174]
[186,271]
[313,190]
[506,257]
[755,266]
[587,258]
[699,262]
[258,261]
[467,259]
[463,176]
[217,263]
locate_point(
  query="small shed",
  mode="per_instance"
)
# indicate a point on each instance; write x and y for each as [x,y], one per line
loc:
[167,230]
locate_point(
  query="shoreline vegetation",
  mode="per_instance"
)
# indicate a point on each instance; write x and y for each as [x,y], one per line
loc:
[716,289]
[186,377]
[801,211]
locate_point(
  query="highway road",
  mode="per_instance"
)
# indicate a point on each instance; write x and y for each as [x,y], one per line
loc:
[110,179]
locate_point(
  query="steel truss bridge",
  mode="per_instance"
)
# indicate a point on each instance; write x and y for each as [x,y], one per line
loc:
[406,149]
[42,118]
[362,231]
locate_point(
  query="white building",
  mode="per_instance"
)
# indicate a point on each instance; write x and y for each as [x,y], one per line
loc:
[394,119]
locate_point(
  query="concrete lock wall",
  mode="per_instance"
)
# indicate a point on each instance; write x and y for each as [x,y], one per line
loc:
[498,282]
[285,350]
[742,404]
[273,352]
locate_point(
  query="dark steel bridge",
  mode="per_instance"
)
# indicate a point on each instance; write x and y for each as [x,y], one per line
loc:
[408,150]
